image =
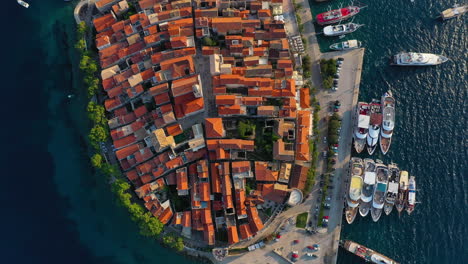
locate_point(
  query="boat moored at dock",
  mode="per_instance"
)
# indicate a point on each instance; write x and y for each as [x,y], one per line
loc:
[402,192]
[417,59]
[411,195]
[362,126]
[346,45]
[454,12]
[355,189]
[380,191]
[337,15]
[388,122]
[392,191]
[339,30]
[368,187]
[366,253]
[374,126]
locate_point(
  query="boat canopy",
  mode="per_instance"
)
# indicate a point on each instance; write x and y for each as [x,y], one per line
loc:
[393,187]
[381,187]
[355,188]
[363,121]
[353,43]
[369,177]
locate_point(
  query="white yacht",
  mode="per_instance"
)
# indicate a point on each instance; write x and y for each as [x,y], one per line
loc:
[417,59]
[374,126]
[339,30]
[346,45]
[355,188]
[362,126]
[388,123]
[380,191]
[368,187]
[393,184]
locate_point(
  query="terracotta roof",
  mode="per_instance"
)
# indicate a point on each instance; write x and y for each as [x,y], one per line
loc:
[214,128]
[305,97]
[125,152]
[298,177]
[242,144]
[245,231]
[182,180]
[263,173]
[232,235]
[104,22]
[226,24]
[255,222]
[240,202]
[225,99]
[166,215]
[186,219]
[184,85]
[302,143]
[174,130]
[215,181]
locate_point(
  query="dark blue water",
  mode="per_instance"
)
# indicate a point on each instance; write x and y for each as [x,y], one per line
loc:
[57,210]
[431,127]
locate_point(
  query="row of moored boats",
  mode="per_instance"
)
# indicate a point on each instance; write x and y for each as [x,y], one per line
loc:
[374,122]
[377,187]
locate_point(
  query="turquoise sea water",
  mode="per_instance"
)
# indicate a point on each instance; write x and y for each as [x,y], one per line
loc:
[56,210]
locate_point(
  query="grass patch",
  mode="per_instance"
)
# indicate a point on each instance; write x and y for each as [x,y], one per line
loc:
[301,220]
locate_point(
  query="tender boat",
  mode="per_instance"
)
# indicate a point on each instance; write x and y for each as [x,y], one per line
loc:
[339,30]
[337,15]
[346,45]
[368,187]
[388,123]
[411,195]
[402,192]
[417,59]
[355,188]
[454,12]
[392,192]
[365,253]
[374,128]
[380,191]
[362,126]
[23,3]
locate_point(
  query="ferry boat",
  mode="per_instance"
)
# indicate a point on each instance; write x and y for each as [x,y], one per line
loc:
[388,123]
[346,45]
[365,253]
[417,59]
[402,192]
[362,126]
[355,188]
[339,30]
[337,15]
[380,191]
[23,3]
[454,12]
[411,195]
[368,187]
[374,127]
[392,192]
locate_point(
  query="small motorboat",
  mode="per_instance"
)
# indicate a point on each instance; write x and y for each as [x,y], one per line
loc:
[346,45]
[23,3]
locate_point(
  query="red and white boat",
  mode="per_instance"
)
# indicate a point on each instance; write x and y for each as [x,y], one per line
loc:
[337,15]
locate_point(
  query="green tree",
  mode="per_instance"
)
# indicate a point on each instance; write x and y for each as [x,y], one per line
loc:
[246,129]
[80,45]
[97,113]
[97,134]
[96,160]
[81,29]
[207,41]
[150,226]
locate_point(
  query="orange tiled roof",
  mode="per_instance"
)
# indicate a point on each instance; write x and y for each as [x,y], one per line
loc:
[174,130]
[214,128]
[182,180]
[245,231]
[232,235]
[263,173]
[302,143]
[215,182]
[255,222]
[225,99]
[305,97]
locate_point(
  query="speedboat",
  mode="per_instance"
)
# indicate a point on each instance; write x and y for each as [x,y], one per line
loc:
[374,126]
[339,30]
[454,12]
[402,192]
[23,3]
[337,15]
[346,45]
[380,191]
[362,126]
[392,192]
[388,123]
[417,59]
[368,187]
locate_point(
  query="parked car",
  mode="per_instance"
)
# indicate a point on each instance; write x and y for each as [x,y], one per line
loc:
[324,154]
[325,140]
[326,205]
